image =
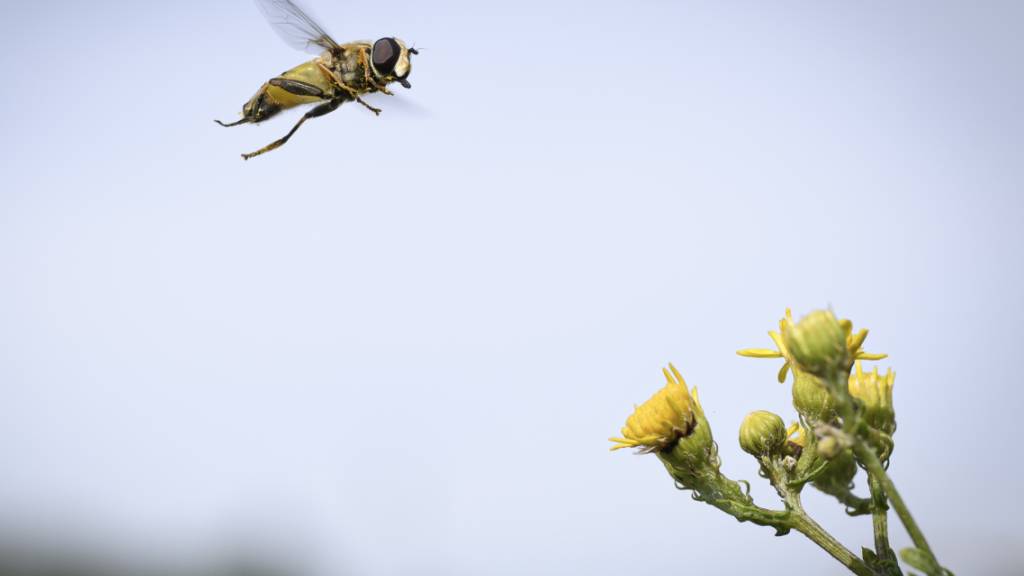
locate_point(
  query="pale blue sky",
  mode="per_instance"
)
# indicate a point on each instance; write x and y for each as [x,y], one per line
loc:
[397,345]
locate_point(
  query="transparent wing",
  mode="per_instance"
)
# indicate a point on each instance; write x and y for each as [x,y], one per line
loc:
[296,27]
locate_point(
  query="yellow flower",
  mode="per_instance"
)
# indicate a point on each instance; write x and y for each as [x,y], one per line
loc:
[875,392]
[786,325]
[817,342]
[659,422]
[795,434]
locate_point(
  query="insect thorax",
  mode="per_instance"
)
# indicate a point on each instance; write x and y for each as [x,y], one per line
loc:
[351,65]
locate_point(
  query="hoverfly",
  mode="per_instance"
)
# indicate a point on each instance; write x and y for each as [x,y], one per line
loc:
[341,73]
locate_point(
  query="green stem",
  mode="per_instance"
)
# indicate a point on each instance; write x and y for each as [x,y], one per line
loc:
[805,525]
[874,466]
[880,517]
[728,496]
[749,512]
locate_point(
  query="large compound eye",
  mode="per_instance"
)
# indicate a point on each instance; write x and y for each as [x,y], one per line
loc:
[386,52]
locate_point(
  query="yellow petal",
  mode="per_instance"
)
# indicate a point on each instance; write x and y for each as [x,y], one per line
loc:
[759,353]
[857,340]
[679,377]
[783,372]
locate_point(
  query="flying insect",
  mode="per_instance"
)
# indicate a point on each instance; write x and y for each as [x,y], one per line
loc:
[340,73]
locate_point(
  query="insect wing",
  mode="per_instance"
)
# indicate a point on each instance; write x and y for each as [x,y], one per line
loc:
[296,27]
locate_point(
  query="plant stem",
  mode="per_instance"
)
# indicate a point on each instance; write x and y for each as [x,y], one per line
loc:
[804,524]
[749,512]
[728,496]
[874,466]
[880,517]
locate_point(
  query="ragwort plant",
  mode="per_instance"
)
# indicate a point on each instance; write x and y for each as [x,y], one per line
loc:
[846,422]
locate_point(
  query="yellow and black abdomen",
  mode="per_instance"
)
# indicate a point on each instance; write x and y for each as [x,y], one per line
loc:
[305,84]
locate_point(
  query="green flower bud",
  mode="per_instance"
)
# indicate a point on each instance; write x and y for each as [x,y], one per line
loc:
[838,476]
[762,433]
[811,399]
[817,343]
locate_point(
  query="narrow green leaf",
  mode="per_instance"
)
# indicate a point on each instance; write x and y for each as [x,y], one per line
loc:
[922,561]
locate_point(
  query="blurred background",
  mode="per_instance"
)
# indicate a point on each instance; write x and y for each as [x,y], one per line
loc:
[398,345]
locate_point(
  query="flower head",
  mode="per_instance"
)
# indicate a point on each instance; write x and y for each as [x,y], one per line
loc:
[875,392]
[786,328]
[817,342]
[672,426]
[666,417]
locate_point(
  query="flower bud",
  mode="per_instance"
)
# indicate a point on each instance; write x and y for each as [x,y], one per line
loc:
[811,398]
[661,421]
[817,343]
[762,433]
[875,393]
[672,425]
[838,475]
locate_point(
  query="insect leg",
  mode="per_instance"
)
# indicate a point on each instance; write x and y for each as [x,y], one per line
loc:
[376,111]
[368,78]
[351,91]
[325,108]
[242,121]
